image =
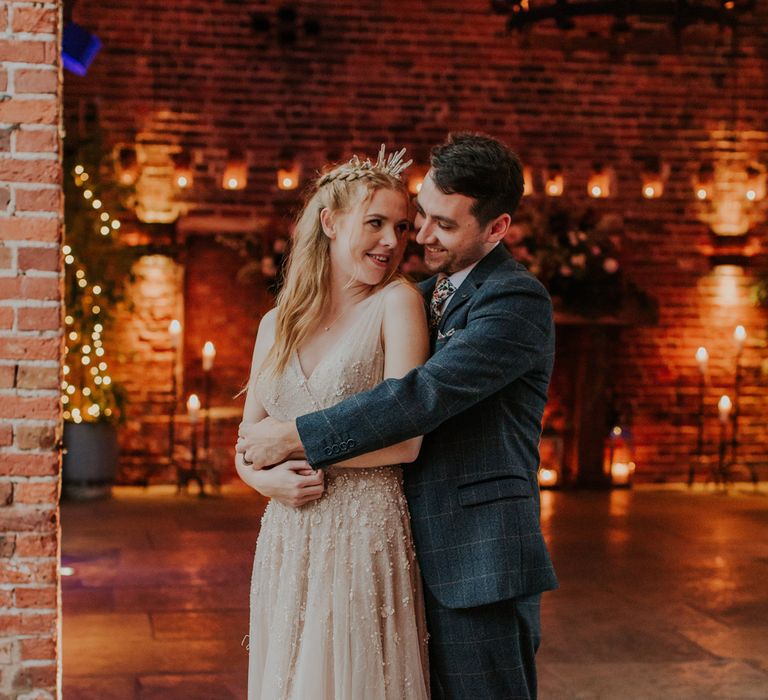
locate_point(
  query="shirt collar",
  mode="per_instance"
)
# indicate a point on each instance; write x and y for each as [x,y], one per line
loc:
[457,278]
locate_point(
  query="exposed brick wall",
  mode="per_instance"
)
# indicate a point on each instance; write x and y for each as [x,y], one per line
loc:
[30,347]
[195,75]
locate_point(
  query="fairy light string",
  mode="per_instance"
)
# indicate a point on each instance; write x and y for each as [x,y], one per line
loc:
[84,393]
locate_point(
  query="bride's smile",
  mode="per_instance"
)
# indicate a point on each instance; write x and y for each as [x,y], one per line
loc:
[366,242]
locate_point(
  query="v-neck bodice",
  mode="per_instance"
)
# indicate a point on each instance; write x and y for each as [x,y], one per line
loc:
[353,363]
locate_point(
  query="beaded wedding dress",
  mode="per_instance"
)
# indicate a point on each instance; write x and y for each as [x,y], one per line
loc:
[336,601]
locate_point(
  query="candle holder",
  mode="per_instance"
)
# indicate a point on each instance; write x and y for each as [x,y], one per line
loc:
[209,354]
[172,411]
[735,412]
[174,329]
[192,474]
[722,474]
[739,336]
[207,414]
[702,357]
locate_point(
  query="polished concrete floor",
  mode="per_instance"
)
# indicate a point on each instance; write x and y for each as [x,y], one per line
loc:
[664,594]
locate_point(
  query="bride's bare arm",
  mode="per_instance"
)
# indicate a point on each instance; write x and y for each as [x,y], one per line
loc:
[253,411]
[293,484]
[406,345]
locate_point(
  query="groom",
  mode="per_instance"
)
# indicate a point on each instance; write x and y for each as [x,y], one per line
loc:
[473,491]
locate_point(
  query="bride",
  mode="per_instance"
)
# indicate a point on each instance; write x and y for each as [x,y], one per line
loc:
[336,601]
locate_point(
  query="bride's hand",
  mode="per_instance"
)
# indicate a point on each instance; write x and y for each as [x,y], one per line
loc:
[267,442]
[292,483]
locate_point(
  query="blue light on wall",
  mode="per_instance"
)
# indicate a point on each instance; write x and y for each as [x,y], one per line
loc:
[79,48]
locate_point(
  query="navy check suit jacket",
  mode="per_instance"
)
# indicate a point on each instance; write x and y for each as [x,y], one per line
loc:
[473,491]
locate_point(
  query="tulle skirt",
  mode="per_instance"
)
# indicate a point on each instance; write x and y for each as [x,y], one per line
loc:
[337,611]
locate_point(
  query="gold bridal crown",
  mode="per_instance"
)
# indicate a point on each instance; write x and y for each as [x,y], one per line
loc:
[355,168]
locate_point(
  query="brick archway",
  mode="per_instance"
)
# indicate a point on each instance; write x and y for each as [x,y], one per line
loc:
[31,346]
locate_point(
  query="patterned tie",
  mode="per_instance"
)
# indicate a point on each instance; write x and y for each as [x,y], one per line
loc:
[443,290]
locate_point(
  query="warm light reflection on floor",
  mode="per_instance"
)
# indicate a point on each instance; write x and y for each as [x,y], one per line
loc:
[547,505]
[619,502]
[661,594]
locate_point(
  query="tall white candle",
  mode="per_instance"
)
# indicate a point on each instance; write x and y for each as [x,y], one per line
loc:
[702,357]
[193,408]
[209,354]
[174,328]
[724,407]
[740,335]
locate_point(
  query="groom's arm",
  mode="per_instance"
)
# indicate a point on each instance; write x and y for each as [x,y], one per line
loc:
[509,331]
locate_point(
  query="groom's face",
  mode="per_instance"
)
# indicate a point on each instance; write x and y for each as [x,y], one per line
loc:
[451,235]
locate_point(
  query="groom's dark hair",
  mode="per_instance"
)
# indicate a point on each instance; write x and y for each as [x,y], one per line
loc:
[481,167]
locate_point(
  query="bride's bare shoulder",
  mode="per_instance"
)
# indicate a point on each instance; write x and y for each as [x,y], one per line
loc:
[266,332]
[401,291]
[270,318]
[401,297]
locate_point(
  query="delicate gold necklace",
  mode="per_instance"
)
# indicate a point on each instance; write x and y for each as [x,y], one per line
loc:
[338,316]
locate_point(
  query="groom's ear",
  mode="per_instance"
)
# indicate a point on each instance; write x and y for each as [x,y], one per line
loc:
[326,221]
[498,228]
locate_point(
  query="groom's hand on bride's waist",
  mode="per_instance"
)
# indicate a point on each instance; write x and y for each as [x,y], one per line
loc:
[268,442]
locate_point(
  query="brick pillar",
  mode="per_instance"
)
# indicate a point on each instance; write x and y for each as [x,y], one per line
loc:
[31,346]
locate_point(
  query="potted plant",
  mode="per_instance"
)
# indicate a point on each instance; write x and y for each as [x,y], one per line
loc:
[97,270]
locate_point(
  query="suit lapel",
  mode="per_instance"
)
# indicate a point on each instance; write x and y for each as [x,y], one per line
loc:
[426,287]
[473,281]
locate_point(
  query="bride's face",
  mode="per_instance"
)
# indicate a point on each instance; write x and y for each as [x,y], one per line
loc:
[367,241]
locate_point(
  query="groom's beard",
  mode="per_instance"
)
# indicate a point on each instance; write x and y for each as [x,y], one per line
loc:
[451,262]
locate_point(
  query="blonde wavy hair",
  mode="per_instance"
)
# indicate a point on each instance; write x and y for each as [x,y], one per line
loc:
[305,294]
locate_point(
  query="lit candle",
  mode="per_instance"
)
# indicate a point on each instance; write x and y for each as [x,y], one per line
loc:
[702,357]
[174,328]
[740,335]
[554,186]
[724,407]
[193,408]
[547,477]
[621,472]
[288,178]
[209,353]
